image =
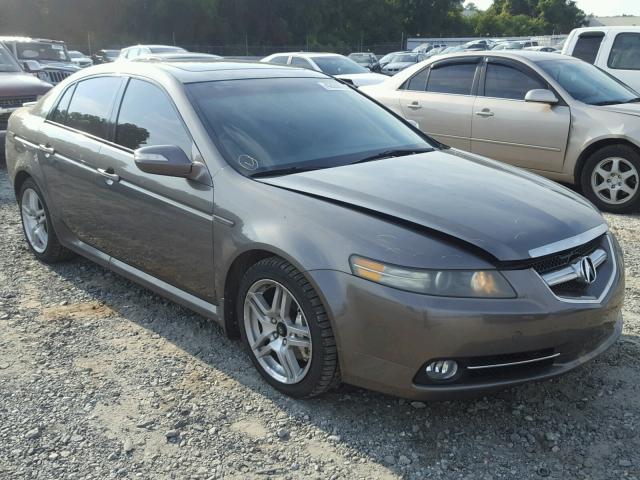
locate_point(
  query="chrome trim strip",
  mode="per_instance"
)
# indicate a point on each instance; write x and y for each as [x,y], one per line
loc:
[568,243]
[76,163]
[511,144]
[604,293]
[571,272]
[173,203]
[448,136]
[510,364]
[224,221]
[24,142]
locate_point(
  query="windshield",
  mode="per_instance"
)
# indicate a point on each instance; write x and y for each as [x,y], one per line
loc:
[338,65]
[42,51]
[406,58]
[259,127]
[7,62]
[587,83]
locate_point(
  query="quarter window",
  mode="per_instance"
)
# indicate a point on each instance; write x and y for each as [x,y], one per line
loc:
[456,79]
[418,82]
[625,53]
[91,105]
[587,47]
[59,114]
[281,60]
[147,117]
[507,82]
[300,62]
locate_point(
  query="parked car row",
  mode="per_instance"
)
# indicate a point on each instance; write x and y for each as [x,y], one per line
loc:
[344,244]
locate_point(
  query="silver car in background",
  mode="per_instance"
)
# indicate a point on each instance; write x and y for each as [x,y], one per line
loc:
[555,115]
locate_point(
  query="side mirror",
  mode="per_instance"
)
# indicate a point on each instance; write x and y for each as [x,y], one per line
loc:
[540,95]
[32,66]
[167,160]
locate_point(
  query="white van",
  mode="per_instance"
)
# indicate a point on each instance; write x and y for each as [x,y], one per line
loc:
[613,49]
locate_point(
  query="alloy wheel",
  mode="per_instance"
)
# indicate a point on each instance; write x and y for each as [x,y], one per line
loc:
[34,220]
[615,180]
[277,331]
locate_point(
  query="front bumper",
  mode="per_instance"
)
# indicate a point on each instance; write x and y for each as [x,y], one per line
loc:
[386,336]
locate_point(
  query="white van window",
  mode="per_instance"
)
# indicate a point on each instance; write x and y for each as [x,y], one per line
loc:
[625,53]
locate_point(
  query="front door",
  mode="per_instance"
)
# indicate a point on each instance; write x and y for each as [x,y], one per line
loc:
[440,99]
[506,128]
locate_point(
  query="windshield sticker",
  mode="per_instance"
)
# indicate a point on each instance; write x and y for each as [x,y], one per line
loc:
[248,163]
[333,86]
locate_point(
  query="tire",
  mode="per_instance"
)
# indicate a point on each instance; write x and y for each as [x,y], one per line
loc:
[307,372]
[48,250]
[616,170]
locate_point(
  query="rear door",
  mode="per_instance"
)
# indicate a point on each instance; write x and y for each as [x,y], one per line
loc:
[506,128]
[440,99]
[158,224]
[71,141]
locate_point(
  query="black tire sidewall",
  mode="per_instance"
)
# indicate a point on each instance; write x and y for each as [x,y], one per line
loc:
[263,272]
[621,151]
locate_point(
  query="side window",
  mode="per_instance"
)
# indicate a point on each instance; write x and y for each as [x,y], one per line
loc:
[507,82]
[147,117]
[300,62]
[418,83]
[59,114]
[587,46]
[91,105]
[281,60]
[625,53]
[452,78]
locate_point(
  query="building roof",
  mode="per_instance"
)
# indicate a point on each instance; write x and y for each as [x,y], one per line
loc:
[618,21]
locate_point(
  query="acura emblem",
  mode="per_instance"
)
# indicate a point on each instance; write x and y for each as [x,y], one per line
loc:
[587,271]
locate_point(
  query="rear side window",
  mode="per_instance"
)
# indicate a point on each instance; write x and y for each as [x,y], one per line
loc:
[281,60]
[59,114]
[418,82]
[91,105]
[625,53]
[507,82]
[147,117]
[300,62]
[455,78]
[587,46]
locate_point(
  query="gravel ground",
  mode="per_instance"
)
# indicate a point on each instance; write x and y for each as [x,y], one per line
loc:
[100,378]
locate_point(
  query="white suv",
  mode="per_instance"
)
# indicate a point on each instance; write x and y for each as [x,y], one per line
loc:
[615,50]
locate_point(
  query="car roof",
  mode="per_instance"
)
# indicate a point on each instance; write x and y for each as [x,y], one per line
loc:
[307,54]
[532,55]
[193,71]
[28,39]
[613,29]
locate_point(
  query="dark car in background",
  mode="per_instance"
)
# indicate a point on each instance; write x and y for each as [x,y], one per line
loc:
[16,89]
[366,60]
[52,56]
[105,56]
[403,60]
[342,243]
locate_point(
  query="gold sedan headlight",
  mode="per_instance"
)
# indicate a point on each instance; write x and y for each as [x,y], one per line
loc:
[443,283]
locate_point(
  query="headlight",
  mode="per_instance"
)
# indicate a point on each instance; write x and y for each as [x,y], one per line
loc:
[443,283]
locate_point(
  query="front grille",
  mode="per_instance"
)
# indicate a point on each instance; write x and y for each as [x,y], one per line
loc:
[562,259]
[4,120]
[56,76]
[15,102]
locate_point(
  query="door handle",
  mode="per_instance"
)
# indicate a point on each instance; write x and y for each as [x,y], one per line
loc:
[485,112]
[109,175]
[47,150]
[414,106]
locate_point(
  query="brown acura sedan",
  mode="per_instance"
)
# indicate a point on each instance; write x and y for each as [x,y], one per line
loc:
[339,242]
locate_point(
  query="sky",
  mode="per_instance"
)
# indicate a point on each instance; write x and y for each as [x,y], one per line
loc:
[600,8]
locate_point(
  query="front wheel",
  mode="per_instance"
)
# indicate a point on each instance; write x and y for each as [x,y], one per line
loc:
[611,179]
[285,329]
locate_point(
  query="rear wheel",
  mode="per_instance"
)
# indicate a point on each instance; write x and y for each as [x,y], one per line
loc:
[36,223]
[285,329]
[611,179]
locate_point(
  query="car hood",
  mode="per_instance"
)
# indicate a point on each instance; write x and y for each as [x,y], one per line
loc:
[504,211]
[624,108]
[21,85]
[362,79]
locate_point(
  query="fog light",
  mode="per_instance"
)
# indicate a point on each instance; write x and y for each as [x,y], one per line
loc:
[442,370]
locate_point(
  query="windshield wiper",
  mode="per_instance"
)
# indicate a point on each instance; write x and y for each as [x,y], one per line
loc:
[282,171]
[393,153]
[616,102]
